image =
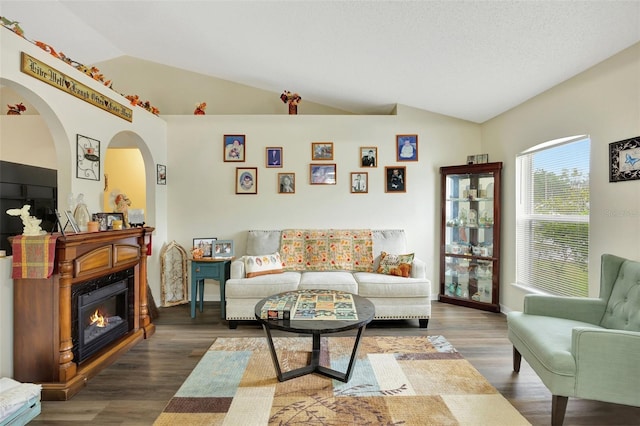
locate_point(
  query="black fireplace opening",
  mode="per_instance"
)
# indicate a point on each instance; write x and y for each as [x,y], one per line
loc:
[103,311]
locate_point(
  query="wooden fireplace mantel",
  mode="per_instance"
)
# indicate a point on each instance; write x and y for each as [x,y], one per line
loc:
[42,341]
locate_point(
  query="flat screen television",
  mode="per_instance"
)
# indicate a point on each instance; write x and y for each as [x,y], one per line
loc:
[22,184]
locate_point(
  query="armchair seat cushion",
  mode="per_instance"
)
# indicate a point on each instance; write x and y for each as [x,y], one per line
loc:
[547,339]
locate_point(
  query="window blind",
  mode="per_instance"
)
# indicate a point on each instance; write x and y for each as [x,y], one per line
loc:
[552,218]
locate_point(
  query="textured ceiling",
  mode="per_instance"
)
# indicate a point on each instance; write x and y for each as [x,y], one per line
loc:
[467,59]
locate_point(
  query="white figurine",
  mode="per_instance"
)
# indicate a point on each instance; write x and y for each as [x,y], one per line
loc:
[31,223]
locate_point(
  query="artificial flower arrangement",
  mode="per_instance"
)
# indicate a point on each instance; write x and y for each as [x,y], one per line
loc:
[200,108]
[290,98]
[92,72]
[197,253]
[16,109]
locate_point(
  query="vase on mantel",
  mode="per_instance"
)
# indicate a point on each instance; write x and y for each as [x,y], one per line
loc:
[293,109]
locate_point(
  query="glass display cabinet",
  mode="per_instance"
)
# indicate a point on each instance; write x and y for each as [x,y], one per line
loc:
[470,242]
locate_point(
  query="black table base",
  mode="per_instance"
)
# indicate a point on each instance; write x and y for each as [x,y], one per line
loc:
[314,366]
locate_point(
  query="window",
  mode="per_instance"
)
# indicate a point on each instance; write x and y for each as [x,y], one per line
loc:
[552,217]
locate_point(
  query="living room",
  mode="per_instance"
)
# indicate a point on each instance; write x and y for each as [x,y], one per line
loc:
[199,198]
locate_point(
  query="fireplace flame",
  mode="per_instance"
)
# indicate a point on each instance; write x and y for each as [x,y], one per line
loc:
[98,319]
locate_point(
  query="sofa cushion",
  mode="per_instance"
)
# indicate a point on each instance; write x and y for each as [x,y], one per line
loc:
[260,242]
[378,285]
[331,280]
[263,265]
[261,286]
[395,264]
[388,240]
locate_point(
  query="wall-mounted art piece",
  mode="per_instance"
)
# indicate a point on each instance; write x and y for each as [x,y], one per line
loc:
[396,179]
[322,174]
[161,172]
[246,180]
[407,147]
[624,158]
[286,183]
[321,151]
[359,182]
[273,156]
[87,158]
[234,147]
[368,156]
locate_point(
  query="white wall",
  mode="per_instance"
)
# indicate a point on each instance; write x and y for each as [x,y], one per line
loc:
[203,203]
[604,103]
[65,117]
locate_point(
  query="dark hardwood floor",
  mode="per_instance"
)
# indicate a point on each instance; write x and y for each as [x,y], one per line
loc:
[135,389]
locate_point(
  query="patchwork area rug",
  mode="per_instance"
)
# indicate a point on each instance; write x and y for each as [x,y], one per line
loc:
[396,381]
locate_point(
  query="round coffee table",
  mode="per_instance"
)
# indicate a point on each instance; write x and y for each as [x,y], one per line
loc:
[364,310]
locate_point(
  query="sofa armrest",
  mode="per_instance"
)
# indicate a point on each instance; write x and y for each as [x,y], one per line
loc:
[607,364]
[237,269]
[418,269]
[583,309]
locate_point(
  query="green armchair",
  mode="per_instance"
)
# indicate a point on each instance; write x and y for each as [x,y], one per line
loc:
[584,347]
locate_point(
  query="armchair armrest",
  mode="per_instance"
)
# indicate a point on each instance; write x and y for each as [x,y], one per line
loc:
[418,269]
[237,269]
[607,364]
[583,309]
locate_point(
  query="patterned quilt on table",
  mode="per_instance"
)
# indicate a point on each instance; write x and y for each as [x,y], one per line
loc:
[327,250]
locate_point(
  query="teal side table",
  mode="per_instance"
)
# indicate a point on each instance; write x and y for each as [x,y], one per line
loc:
[215,269]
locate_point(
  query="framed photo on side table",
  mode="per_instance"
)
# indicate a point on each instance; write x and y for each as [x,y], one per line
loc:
[223,248]
[204,244]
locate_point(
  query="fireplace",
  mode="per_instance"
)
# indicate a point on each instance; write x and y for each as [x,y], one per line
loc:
[102,312]
[95,273]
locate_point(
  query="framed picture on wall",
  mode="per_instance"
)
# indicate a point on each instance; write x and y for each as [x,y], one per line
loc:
[321,151]
[322,174]
[368,156]
[359,182]
[624,157]
[286,183]
[87,158]
[396,179]
[161,171]
[274,156]
[407,147]
[233,148]
[246,180]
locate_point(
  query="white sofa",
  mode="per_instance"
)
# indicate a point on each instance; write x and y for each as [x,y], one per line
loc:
[394,297]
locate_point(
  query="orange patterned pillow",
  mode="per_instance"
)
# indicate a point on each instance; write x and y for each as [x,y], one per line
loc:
[395,264]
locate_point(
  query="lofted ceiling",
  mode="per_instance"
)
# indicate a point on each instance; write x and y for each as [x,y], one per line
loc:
[467,59]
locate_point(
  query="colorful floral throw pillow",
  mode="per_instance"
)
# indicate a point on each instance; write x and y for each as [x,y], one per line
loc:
[395,264]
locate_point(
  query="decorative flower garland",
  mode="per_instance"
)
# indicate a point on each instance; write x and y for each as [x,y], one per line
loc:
[16,109]
[92,72]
